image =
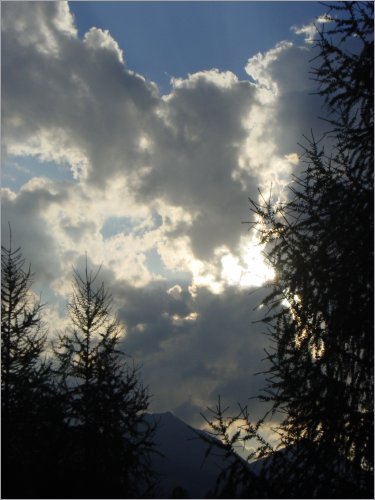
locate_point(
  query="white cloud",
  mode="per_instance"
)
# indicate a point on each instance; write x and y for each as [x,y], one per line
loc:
[46,24]
[175,291]
[311,30]
[52,144]
[96,38]
[258,68]
[224,79]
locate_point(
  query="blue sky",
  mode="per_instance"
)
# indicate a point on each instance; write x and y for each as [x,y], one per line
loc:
[164,39]
[135,133]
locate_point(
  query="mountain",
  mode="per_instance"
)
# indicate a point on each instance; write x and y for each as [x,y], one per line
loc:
[184,469]
[187,471]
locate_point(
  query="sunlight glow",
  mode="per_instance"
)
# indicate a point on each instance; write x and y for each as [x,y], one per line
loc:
[258,271]
[178,320]
[316,346]
[250,269]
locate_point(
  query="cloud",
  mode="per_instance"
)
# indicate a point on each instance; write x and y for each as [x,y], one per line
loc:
[96,39]
[194,154]
[29,230]
[80,105]
[195,348]
[311,30]
[42,28]
[289,108]
[158,189]
[185,150]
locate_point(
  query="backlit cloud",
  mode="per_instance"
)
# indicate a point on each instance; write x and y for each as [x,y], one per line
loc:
[156,188]
[310,31]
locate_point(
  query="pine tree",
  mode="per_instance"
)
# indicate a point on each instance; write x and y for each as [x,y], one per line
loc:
[105,400]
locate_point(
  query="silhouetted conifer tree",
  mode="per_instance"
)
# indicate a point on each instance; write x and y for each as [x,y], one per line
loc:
[236,480]
[27,397]
[110,442]
[320,311]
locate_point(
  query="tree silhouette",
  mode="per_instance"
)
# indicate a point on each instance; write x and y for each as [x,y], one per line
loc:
[320,309]
[27,398]
[105,400]
[237,480]
[345,76]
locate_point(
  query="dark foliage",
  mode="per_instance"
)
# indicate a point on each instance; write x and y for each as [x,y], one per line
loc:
[320,310]
[30,412]
[110,442]
[345,76]
[236,480]
[72,427]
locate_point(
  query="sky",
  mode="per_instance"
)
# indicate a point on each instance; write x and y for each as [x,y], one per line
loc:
[135,133]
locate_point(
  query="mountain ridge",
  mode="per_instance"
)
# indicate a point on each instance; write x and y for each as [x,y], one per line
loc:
[181,461]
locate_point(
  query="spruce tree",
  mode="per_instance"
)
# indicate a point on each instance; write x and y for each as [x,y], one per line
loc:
[110,442]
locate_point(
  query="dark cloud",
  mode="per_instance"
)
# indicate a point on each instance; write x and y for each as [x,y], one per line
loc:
[299,107]
[29,229]
[196,154]
[193,349]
